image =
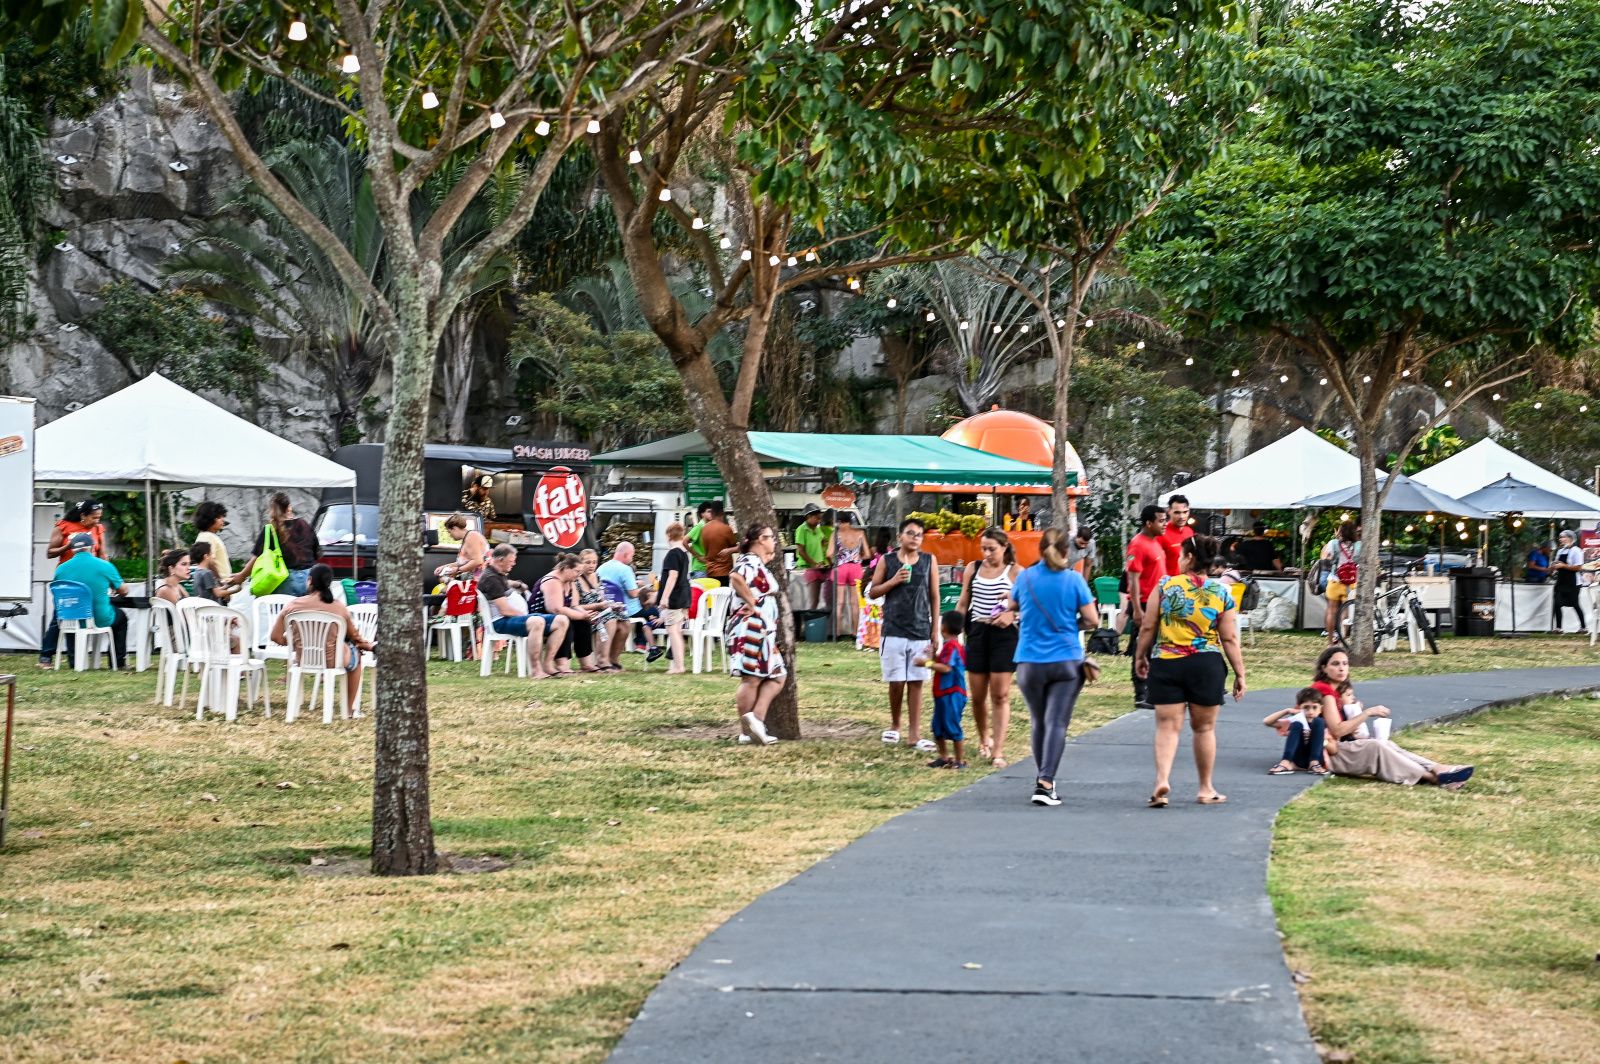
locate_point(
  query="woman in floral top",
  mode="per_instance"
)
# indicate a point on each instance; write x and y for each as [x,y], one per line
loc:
[752,631]
[1189,622]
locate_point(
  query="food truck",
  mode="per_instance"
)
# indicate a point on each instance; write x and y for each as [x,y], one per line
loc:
[535,489]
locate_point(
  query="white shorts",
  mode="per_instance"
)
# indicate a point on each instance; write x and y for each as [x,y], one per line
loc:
[899,658]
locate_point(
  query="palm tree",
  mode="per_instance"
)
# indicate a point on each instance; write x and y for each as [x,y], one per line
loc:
[24,189]
[272,272]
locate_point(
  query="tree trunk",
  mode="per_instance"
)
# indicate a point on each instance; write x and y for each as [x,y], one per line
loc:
[1366,597]
[402,830]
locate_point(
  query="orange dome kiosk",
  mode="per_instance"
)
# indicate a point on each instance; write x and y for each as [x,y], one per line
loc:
[1025,438]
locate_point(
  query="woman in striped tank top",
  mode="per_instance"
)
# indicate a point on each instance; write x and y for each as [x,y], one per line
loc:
[991,641]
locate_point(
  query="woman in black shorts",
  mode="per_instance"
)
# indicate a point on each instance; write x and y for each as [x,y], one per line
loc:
[1189,622]
[991,641]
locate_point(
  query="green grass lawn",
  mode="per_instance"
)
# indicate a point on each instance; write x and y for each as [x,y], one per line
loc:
[164,893]
[1454,927]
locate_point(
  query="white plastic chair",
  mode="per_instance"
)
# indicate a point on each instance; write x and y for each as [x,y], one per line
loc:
[264,614]
[713,619]
[309,633]
[516,645]
[365,616]
[164,621]
[213,630]
[452,634]
[75,617]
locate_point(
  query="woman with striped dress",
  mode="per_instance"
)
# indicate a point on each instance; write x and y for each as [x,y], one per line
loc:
[991,640]
[751,635]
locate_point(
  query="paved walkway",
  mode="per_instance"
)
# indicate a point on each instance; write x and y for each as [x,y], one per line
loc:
[1105,931]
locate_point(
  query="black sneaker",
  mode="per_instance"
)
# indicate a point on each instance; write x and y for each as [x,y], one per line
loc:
[654,654]
[1043,795]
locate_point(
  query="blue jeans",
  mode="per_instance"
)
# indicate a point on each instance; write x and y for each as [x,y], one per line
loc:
[296,584]
[1302,749]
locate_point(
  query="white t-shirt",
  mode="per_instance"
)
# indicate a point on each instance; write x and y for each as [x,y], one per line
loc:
[1572,556]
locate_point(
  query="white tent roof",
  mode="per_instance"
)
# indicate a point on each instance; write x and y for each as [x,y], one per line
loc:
[1486,462]
[1276,477]
[156,431]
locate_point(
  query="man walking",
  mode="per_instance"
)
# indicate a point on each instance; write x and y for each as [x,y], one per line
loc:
[908,583]
[1147,567]
[1175,533]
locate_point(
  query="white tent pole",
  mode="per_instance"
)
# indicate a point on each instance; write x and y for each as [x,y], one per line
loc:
[149,535]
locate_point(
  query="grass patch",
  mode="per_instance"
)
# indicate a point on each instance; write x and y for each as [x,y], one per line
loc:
[154,859]
[1462,926]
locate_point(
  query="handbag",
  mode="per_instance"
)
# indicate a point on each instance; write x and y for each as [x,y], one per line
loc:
[270,570]
[1104,641]
[1347,572]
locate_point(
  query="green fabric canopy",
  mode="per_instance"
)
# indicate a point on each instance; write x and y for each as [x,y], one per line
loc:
[859,459]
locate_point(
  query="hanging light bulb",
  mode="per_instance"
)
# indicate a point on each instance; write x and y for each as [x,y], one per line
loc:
[665,195]
[1189,361]
[894,493]
[773,260]
[1465,536]
[811,255]
[1405,373]
[635,158]
[855,284]
[1343,518]
[1235,373]
[929,317]
[350,65]
[1139,346]
[1088,323]
[593,127]
[725,243]
[1411,528]
[496,119]
[1283,378]
[1538,406]
[1584,409]
[429,100]
[1428,518]
[297,29]
[1366,379]
[1449,384]
[996,330]
[791,261]
[697,222]
[1061,323]
[1460,525]
[1495,397]
[963,325]
[892,303]
[1024,326]
[542,128]
[744,254]
[1322,380]
[1483,528]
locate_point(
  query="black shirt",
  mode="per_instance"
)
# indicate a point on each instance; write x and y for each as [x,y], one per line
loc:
[677,561]
[492,584]
[1258,553]
[299,544]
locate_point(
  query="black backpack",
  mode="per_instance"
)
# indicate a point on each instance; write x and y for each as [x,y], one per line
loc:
[1103,641]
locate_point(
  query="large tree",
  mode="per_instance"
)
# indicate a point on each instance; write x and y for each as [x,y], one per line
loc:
[1420,202]
[423,85]
[844,138]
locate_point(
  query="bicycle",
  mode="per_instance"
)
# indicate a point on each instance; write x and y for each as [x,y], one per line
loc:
[1398,610]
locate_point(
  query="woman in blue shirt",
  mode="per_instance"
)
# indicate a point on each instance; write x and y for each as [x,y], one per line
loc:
[1051,599]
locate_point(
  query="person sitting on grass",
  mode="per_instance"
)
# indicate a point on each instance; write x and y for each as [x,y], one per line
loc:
[949,693]
[1348,754]
[319,598]
[1304,731]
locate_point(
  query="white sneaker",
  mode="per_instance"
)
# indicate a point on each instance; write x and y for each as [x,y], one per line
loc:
[758,730]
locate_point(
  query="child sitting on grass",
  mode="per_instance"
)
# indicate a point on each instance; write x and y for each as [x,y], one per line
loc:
[1304,730]
[949,692]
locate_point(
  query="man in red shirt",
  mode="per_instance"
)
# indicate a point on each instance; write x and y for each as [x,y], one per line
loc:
[1146,568]
[1176,532]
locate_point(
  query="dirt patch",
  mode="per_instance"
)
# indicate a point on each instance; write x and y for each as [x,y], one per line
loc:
[810,731]
[449,864]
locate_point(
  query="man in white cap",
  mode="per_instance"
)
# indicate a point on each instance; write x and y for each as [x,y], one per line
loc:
[1565,567]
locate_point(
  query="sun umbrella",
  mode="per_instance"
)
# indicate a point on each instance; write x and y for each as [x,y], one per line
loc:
[1405,496]
[1513,496]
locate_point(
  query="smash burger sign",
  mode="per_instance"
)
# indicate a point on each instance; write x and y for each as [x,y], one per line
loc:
[561,508]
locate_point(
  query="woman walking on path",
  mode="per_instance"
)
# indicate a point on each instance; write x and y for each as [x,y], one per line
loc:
[752,632]
[1050,600]
[991,640]
[1190,624]
[1350,751]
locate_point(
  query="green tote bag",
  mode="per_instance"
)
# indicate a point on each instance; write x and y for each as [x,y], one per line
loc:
[270,568]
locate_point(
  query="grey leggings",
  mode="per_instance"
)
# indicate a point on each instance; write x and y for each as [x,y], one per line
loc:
[1051,690]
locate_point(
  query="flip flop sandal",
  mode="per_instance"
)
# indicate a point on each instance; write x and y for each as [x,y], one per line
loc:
[1157,801]
[891,737]
[1280,769]
[1215,799]
[1319,768]
[999,762]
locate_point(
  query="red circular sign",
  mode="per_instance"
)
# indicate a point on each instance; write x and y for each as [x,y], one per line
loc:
[838,497]
[560,507]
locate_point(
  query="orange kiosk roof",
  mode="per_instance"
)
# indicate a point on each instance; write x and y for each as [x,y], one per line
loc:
[1010,434]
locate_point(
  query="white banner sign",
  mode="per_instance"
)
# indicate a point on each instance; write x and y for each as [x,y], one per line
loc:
[16,499]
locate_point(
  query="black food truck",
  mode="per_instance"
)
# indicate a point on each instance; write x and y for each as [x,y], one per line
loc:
[347,526]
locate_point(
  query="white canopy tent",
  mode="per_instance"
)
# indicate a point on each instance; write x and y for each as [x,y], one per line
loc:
[1487,461]
[1276,477]
[157,436]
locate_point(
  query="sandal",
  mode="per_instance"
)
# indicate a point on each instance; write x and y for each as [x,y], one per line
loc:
[999,762]
[1214,799]
[1158,799]
[940,762]
[1284,768]
[1319,768]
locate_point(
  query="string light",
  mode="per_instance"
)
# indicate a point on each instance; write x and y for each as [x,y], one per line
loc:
[697,222]
[1061,323]
[1139,346]
[1024,326]
[429,100]
[1088,323]
[350,65]
[1366,380]
[297,29]
[963,325]
[1495,397]
[1428,518]
[1538,406]
[725,243]
[1283,378]
[1235,373]
[929,317]
[892,303]
[635,158]
[744,254]
[996,330]
[1322,380]
[496,120]
[1465,536]
[1584,409]
[542,128]
[1411,528]
[1449,384]
[811,255]
[593,126]
[1405,373]
[665,195]
[1460,525]
[773,260]
[1483,528]
[1189,361]
[791,261]
[854,283]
